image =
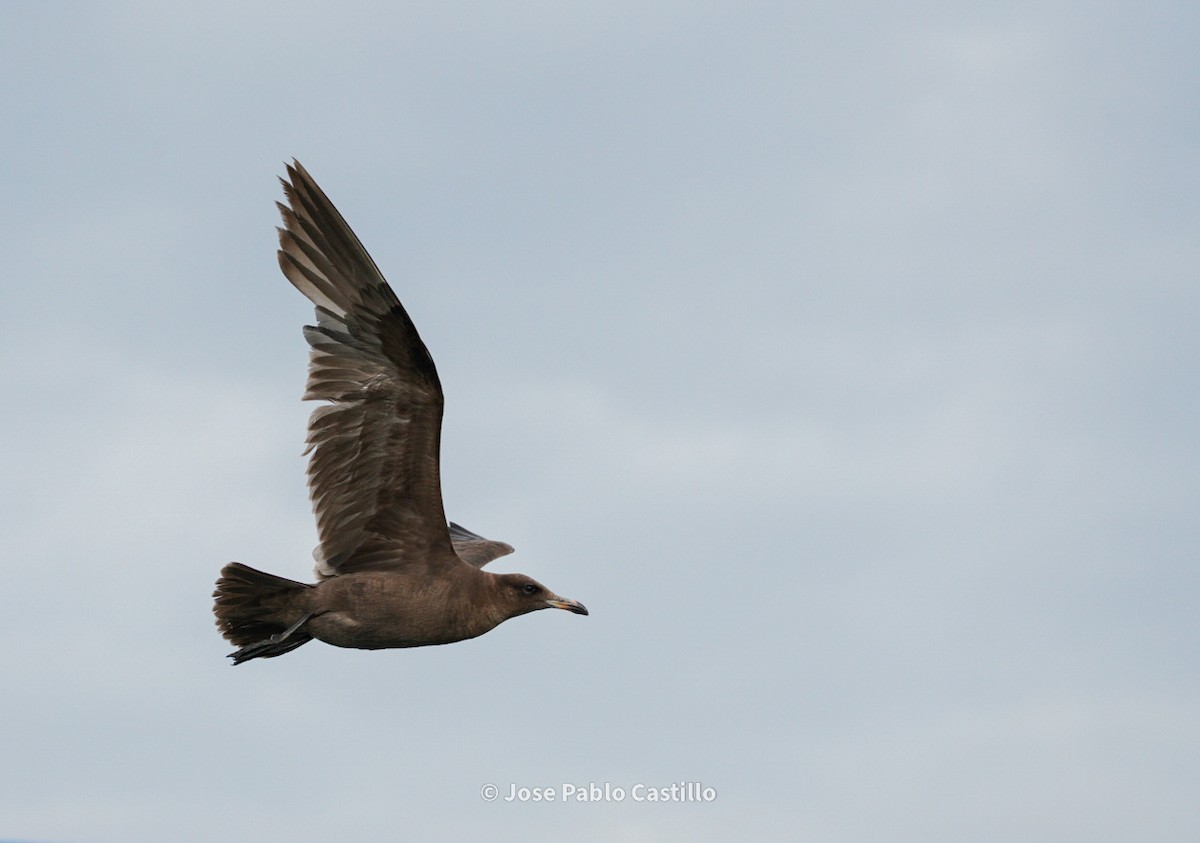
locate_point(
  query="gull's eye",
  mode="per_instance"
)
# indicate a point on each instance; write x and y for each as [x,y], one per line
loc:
[529,588]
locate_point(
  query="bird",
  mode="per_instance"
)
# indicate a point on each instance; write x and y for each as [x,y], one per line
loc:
[391,571]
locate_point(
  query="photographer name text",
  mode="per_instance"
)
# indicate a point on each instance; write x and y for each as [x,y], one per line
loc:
[601,792]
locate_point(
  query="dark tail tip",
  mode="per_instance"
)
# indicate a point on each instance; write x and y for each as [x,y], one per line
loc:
[258,612]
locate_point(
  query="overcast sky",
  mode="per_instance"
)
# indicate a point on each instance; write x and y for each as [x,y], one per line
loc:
[841,357]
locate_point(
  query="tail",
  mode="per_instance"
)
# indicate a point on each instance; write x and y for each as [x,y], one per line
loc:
[259,612]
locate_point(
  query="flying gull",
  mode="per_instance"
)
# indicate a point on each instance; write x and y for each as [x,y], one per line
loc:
[391,571]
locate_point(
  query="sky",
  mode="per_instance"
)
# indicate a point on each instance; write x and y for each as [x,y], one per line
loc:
[840,357]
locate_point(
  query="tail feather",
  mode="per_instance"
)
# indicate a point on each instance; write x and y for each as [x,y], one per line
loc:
[252,606]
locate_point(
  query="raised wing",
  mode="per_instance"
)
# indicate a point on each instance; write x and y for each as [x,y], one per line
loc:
[373,474]
[474,549]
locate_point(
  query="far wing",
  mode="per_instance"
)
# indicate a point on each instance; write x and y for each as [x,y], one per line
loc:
[475,549]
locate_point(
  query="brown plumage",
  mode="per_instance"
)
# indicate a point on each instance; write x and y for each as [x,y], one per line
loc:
[391,571]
